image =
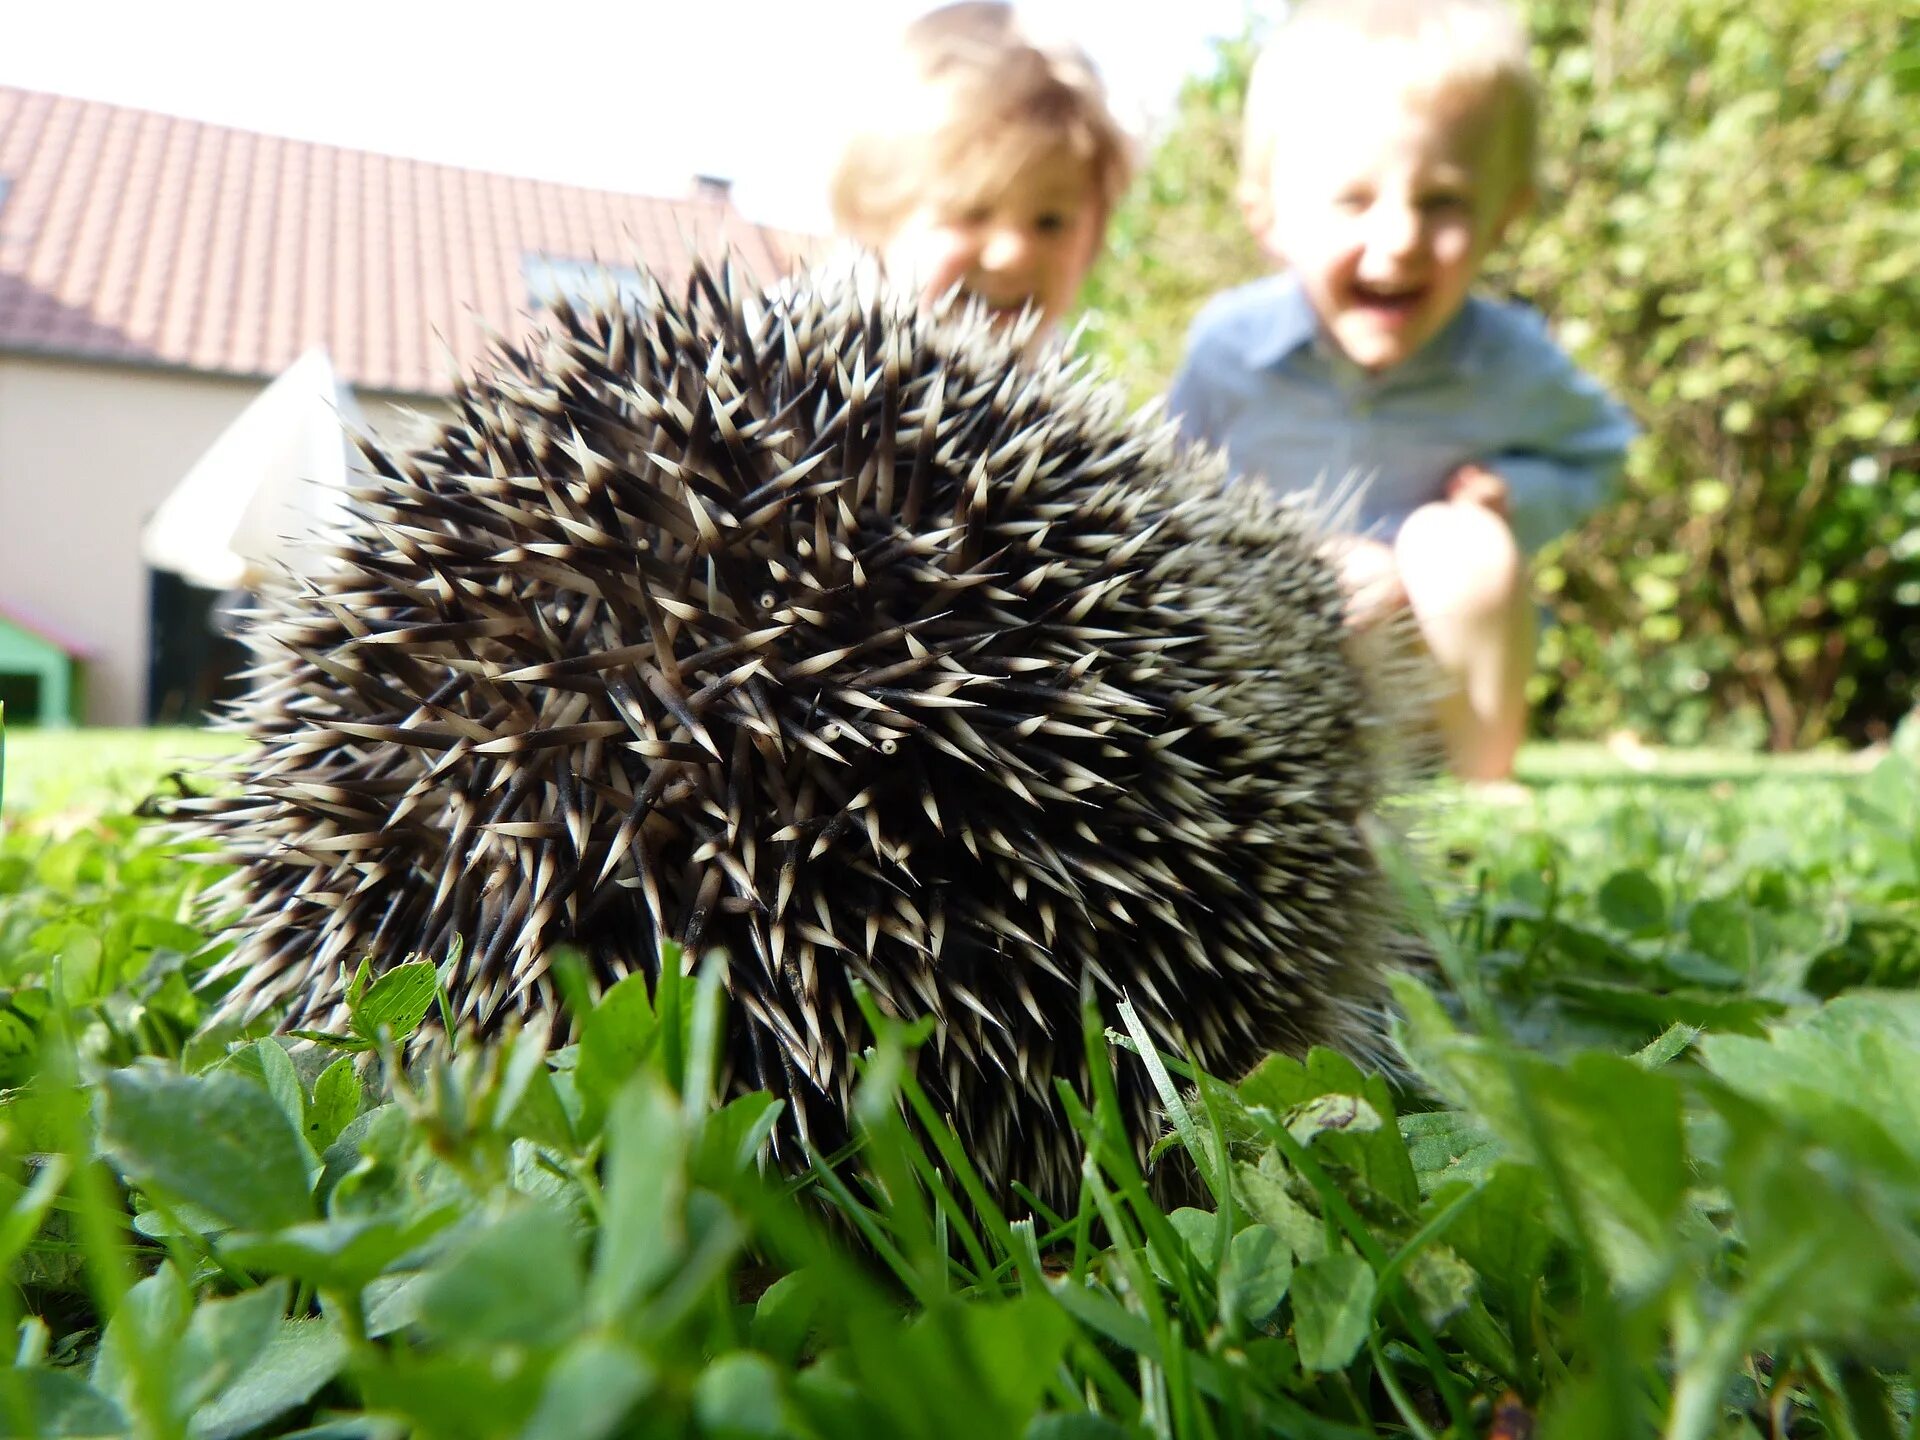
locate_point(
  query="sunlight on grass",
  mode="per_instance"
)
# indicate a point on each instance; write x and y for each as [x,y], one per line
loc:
[56,769]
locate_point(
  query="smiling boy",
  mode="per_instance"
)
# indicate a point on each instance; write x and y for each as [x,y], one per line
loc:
[1388,146]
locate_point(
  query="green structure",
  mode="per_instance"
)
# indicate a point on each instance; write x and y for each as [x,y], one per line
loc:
[32,651]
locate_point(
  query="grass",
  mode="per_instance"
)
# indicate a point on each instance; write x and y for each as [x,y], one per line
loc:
[54,769]
[98,769]
[1653,1169]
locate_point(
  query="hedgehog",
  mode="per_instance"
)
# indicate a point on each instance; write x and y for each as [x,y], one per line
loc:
[849,641]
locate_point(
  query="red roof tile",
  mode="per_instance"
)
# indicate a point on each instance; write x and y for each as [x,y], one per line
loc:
[131,236]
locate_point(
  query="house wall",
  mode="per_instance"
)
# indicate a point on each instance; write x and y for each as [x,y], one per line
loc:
[86,453]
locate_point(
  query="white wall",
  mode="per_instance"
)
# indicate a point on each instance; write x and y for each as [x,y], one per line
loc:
[86,453]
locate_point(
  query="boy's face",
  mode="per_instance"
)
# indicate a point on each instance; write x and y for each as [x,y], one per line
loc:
[1385,206]
[1032,241]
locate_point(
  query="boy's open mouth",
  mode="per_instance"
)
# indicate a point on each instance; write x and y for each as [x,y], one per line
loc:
[1396,302]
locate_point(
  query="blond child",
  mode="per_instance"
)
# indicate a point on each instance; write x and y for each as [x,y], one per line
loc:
[992,164]
[1389,144]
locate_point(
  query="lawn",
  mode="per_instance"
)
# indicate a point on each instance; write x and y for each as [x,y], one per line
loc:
[1652,1167]
[97,769]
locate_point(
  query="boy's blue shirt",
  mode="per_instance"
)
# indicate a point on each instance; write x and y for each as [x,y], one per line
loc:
[1492,388]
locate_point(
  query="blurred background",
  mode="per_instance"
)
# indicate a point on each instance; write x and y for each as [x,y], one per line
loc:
[224,225]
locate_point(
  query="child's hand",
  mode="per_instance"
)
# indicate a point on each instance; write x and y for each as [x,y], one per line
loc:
[1476,485]
[1370,577]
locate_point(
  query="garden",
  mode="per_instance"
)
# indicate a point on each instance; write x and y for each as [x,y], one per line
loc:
[1653,1169]
[1646,1161]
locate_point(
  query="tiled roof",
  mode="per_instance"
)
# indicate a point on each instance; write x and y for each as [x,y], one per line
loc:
[132,236]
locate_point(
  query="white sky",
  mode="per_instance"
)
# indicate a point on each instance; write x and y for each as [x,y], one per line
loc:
[621,94]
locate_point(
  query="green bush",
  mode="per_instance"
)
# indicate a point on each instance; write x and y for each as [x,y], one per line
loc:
[1179,236]
[1732,249]
[1728,240]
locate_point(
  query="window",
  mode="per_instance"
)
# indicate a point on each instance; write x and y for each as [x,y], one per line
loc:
[554,277]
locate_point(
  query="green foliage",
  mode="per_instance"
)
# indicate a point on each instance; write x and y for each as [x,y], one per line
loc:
[1735,201]
[93,918]
[1732,204]
[1178,237]
[1659,1174]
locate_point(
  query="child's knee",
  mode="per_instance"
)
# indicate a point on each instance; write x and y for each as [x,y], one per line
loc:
[1460,559]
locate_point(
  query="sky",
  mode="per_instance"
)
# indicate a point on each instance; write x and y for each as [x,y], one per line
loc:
[635,95]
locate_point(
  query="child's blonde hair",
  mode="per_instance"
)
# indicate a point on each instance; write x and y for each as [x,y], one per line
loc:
[971,99]
[1432,48]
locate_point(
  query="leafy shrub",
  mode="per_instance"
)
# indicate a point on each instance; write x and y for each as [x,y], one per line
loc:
[1178,237]
[1732,210]
[1737,212]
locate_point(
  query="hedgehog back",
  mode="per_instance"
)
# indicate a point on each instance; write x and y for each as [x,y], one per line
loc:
[837,638]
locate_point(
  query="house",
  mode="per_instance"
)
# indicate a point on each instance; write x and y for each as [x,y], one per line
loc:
[156,273]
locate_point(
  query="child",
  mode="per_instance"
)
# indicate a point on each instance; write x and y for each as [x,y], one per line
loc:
[993,163]
[1388,145]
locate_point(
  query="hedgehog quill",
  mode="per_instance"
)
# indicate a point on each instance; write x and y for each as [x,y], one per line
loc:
[841,639]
